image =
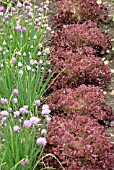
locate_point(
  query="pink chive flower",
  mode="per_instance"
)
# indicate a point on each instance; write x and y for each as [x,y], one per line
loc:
[43,131]
[16,128]
[24,162]
[10,109]
[36,21]
[13,60]
[1,8]
[23,29]
[22,110]
[37,102]
[40,9]
[17,27]
[45,106]
[47,50]
[25,106]
[26,3]
[48,29]
[41,141]
[16,114]
[4,101]
[15,92]
[4,113]
[27,123]
[34,120]
[30,14]
[48,119]
[13,9]
[28,7]
[3,120]
[19,4]
[15,100]
[46,111]
[36,27]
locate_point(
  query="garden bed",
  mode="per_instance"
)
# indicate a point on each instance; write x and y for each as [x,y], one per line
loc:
[70,66]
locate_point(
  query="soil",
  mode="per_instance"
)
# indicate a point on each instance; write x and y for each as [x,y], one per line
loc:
[110,57]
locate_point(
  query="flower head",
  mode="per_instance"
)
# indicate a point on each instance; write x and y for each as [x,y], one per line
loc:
[41,141]
[13,60]
[4,101]
[45,106]
[17,27]
[1,8]
[46,111]
[30,14]
[43,131]
[36,21]
[16,113]
[4,113]
[37,102]
[48,29]
[27,123]
[23,29]
[15,92]
[16,128]
[19,4]
[10,109]
[48,119]
[15,100]
[24,162]
[34,120]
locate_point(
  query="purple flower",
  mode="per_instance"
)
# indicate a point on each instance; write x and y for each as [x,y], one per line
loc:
[34,120]
[4,101]
[48,119]
[36,27]
[28,7]
[43,131]
[10,109]
[45,106]
[16,114]
[22,110]
[37,102]
[25,106]
[15,100]
[40,9]
[13,60]
[23,29]
[13,9]
[4,113]
[30,14]
[46,111]
[15,92]
[1,8]
[26,3]
[3,120]
[41,141]
[19,4]
[47,50]
[27,123]
[25,162]
[48,29]
[36,21]
[18,27]
[16,128]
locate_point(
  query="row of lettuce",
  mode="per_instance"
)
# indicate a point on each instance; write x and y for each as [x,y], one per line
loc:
[68,132]
[76,135]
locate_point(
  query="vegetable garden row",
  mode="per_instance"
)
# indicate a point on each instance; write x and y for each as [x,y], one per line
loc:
[53,112]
